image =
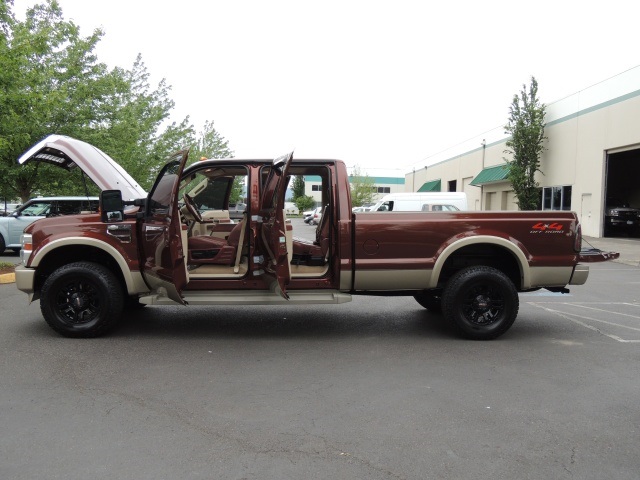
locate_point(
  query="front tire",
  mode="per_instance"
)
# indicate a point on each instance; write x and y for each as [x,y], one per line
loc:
[82,300]
[481,302]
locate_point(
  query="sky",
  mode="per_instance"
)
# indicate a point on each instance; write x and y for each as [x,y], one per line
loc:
[382,85]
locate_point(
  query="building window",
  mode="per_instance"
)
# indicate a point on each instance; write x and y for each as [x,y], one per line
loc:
[556,198]
[384,189]
[453,185]
[316,188]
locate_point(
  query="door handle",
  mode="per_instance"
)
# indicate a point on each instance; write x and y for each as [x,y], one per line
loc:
[151,231]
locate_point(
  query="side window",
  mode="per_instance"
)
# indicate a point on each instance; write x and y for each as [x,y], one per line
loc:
[217,189]
[386,207]
[161,195]
[38,209]
[66,207]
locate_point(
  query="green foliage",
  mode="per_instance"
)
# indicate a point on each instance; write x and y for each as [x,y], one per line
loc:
[297,186]
[304,203]
[526,127]
[210,144]
[362,188]
[237,190]
[52,82]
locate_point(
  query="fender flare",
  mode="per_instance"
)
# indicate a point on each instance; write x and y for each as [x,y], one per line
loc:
[133,279]
[523,264]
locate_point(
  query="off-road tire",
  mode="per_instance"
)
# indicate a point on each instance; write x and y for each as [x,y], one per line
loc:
[3,245]
[481,302]
[82,300]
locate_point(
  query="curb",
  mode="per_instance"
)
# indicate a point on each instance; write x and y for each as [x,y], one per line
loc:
[7,278]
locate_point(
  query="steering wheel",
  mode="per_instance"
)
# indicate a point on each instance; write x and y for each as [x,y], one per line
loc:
[192,208]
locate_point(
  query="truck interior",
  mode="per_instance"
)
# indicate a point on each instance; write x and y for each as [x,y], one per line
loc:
[218,246]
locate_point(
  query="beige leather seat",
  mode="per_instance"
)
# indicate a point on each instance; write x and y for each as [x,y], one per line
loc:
[207,250]
[313,252]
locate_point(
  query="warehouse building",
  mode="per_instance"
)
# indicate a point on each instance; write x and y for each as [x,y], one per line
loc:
[591,161]
[381,186]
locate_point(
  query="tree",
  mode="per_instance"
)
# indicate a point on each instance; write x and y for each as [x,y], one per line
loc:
[526,127]
[210,144]
[52,82]
[362,188]
[297,186]
[304,203]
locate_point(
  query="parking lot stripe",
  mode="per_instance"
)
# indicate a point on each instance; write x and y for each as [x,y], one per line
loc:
[569,316]
[607,311]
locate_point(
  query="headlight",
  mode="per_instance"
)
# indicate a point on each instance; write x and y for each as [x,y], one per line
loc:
[27,247]
[614,213]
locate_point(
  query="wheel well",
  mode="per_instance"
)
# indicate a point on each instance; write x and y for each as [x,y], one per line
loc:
[75,253]
[490,255]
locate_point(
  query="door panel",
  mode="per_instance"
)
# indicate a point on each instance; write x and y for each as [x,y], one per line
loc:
[164,264]
[272,228]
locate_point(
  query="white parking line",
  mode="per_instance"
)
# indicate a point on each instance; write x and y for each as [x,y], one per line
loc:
[569,316]
[607,311]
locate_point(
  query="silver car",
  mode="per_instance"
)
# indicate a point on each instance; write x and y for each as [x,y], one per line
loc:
[12,226]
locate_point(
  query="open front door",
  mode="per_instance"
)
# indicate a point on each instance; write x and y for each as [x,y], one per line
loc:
[273,228]
[164,264]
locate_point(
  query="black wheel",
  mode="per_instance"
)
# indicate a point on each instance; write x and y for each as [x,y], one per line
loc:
[481,302]
[3,245]
[431,300]
[81,299]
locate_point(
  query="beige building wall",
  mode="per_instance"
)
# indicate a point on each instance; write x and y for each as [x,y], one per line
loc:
[581,130]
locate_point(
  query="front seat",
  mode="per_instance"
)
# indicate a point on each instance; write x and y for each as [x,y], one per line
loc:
[306,252]
[206,250]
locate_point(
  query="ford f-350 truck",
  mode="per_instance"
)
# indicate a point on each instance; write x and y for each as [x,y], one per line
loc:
[177,245]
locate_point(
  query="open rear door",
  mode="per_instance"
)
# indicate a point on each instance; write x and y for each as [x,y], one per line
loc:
[273,233]
[163,260]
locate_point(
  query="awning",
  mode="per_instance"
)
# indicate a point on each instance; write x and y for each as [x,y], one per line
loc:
[432,186]
[491,175]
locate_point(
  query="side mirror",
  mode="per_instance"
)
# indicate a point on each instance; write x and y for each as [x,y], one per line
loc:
[111,206]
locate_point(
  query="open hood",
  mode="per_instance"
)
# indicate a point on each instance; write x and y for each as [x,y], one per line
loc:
[68,153]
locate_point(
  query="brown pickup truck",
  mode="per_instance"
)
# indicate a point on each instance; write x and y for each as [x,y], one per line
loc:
[177,245]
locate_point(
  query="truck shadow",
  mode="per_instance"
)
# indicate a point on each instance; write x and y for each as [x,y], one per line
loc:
[279,322]
[295,322]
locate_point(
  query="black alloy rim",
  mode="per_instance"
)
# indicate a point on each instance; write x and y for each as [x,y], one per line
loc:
[483,305]
[78,302]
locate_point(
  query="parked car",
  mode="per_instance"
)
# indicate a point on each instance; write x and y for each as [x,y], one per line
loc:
[11,226]
[291,208]
[422,202]
[8,209]
[619,215]
[236,210]
[316,216]
[308,215]
[359,209]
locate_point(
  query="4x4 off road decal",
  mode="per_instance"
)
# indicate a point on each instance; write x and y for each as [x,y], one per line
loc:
[541,227]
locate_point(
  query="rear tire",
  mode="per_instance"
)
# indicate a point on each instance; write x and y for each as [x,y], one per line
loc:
[481,302]
[82,300]
[3,245]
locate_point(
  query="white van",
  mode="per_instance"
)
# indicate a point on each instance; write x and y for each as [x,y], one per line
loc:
[422,202]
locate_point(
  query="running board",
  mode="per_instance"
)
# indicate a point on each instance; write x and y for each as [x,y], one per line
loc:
[251,297]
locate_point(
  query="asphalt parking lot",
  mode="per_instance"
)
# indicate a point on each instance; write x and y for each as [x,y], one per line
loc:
[373,389]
